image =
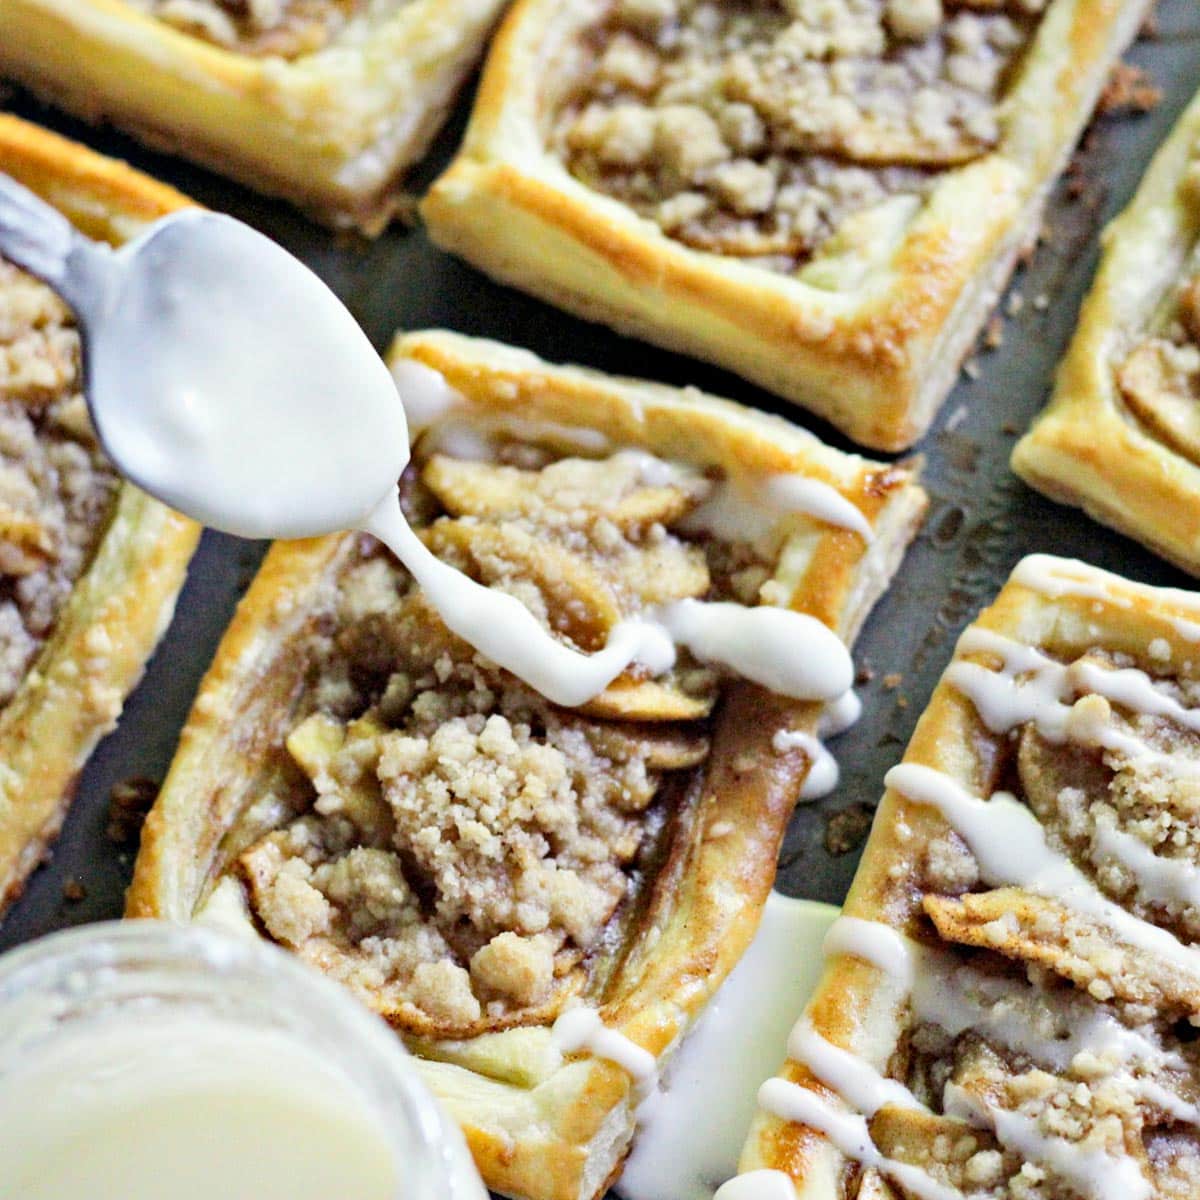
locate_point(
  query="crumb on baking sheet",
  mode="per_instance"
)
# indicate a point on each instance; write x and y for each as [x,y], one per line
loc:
[1129,89]
[128,803]
[847,828]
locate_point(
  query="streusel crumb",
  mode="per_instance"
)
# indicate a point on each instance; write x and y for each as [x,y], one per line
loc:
[756,128]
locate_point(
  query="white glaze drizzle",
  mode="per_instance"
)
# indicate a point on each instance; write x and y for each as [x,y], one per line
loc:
[839,715]
[1005,701]
[786,651]
[582,1028]
[822,777]
[748,509]
[958,998]
[1010,847]
[848,1132]
[873,942]
[427,398]
[1093,1172]
[691,1132]
[763,1184]
[853,1078]
[1057,577]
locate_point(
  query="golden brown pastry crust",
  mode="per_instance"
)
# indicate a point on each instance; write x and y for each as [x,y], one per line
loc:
[332,131]
[1087,448]
[865,1010]
[538,1126]
[72,696]
[875,356]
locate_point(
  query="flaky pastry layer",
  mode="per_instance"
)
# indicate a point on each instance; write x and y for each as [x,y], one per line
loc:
[332,130]
[106,629]
[1015,979]
[871,331]
[541,1124]
[1093,447]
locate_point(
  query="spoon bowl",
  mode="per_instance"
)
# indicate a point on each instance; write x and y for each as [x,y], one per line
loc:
[218,369]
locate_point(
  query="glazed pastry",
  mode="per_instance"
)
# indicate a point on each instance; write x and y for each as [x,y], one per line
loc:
[90,567]
[508,882]
[1121,437]
[323,102]
[826,198]
[1008,1010]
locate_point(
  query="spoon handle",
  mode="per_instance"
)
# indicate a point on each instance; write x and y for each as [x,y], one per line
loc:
[34,235]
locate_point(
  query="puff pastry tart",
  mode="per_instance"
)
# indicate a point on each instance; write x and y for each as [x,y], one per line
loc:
[1121,437]
[823,197]
[324,102]
[89,567]
[473,862]
[1010,1004]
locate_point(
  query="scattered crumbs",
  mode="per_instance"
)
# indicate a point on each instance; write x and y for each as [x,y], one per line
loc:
[74,891]
[1016,302]
[901,701]
[720,829]
[845,830]
[1129,89]
[971,369]
[993,336]
[893,680]
[128,803]
[1041,302]
[406,210]
[959,415]
[864,675]
[1011,428]
[1159,650]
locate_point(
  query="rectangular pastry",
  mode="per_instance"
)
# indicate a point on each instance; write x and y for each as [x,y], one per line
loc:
[1010,1000]
[89,567]
[323,102]
[1121,436]
[539,899]
[826,198]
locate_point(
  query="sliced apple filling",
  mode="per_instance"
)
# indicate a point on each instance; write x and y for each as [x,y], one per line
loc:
[469,849]
[55,484]
[756,129]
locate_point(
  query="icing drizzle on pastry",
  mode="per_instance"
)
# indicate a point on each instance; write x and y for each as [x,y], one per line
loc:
[1023,687]
[276,421]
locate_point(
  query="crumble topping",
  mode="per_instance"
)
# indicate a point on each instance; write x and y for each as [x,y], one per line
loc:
[55,484]
[1069,1054]
[466,846]
[757,128]
[267,28]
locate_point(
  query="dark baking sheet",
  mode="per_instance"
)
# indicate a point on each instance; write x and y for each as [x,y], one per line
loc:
[981,520]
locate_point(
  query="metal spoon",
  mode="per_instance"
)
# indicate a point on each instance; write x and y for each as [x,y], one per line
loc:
[221,374]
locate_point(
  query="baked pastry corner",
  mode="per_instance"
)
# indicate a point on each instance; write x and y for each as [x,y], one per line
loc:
[1007,1005]
[323,102]
[91,566]
[469,859]
[828,205]
[1121,436]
